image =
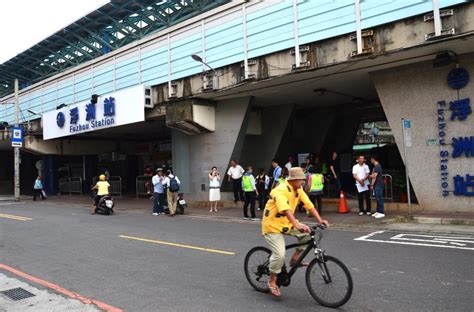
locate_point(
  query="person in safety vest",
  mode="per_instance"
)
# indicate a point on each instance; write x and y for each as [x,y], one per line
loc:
[278,220]
[102,187]
[250,193]
[315,186]
[283,176]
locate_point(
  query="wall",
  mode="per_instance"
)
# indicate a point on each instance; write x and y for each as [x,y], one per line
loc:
[259,150]
[193,156]
[413,92]
[221,38]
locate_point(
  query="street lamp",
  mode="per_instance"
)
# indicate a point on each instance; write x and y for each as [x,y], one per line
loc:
[215,80]
[199,59]
[32,112]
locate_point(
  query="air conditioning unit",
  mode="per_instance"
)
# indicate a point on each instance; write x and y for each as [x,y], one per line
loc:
[173,90]
[148,97]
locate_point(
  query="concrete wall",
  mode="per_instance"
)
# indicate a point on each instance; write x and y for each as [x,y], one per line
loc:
[259,150]
[413,92]
[194,155]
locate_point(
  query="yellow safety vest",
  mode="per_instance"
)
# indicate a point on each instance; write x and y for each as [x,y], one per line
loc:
[247,184]
[316,183]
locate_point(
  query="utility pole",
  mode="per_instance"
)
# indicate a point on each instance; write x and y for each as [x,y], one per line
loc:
[17,149]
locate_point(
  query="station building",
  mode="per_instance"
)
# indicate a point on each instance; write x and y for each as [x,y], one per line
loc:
[193,84]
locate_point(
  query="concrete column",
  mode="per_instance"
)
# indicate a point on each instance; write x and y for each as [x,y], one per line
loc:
[259,150]
[194,155]
[50,170]
[413,92]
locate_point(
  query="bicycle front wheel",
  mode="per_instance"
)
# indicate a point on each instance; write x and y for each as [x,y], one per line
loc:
[256,268]
[329,282]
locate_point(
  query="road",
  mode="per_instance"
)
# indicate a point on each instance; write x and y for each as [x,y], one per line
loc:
[139,262]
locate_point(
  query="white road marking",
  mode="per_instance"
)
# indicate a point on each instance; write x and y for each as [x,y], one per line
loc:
[8,203]
[455,242]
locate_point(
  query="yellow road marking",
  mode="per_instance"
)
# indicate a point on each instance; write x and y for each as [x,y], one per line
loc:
[13,217]
[178,245]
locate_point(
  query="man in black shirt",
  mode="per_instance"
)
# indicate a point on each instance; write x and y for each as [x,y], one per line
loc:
[334,171]
[377,186]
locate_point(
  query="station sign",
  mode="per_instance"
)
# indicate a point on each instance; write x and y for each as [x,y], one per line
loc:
[99,112]
[17,137]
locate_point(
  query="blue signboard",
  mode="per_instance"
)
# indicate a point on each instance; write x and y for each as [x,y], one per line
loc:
[406,124]
[17,137]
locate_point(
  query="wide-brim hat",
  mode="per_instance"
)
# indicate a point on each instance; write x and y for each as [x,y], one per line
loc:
[296,173]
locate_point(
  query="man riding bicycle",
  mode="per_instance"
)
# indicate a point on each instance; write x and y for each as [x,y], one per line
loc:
[279,219]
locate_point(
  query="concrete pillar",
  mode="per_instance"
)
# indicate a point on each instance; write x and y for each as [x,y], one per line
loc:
[259,150]
[181,159]
[413,92]
[50,170]
[194,155]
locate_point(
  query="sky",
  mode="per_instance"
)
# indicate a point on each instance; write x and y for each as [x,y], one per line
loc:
[23,23]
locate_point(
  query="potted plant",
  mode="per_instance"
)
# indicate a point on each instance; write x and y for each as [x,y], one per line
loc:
[401,184]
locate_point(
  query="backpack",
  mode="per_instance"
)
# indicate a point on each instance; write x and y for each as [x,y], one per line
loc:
[174,186]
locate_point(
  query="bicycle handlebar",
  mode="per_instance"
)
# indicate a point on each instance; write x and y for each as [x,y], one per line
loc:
[319,226]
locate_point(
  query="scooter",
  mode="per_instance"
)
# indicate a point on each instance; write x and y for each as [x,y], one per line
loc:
[106,205]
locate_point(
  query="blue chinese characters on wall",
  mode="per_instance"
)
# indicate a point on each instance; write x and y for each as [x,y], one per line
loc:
[60,119]
[74,114]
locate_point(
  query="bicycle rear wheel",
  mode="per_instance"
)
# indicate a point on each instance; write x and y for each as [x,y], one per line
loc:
[256,268]
[329,282]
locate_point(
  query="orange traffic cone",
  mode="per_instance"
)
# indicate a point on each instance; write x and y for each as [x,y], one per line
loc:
[343,204]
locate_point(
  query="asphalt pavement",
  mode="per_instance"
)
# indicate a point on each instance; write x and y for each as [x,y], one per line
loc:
[139,262]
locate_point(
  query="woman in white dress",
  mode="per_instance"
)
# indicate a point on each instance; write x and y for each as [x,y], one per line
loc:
[214,189]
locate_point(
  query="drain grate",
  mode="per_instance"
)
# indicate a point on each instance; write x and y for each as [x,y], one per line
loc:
[16,294]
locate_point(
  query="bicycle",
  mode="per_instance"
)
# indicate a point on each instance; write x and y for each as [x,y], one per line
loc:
[327,278]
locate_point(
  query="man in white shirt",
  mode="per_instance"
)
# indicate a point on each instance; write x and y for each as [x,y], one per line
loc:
[361,173]
[172,183]
[235,174]
[289,164]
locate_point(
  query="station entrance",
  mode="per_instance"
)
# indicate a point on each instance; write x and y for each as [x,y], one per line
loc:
[317,117]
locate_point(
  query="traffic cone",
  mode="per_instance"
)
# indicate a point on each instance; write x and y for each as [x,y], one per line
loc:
[343,204]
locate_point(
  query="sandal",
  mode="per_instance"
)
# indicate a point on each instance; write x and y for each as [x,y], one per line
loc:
[274,291]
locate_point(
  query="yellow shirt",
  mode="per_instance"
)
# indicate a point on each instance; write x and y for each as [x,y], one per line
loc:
[102,188]
[282,198]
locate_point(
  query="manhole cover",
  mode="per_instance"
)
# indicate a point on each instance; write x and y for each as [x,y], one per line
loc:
[16,294]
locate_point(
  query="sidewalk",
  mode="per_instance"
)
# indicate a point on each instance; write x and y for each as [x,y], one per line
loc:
[230,212]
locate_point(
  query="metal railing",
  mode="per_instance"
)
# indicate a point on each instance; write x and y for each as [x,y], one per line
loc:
[144,186]
[387,187]
[115,184]
[71,185]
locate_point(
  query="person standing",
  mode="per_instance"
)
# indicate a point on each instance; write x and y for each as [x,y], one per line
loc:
[159,192]
[334,171]
[250,193]
[289,164]
[377,186]
[276,173]
[149,174]
[283,176]
[214,189]
[315,187]
[172,184]
[263,182]
[38,189]
[234,174]
[361,172]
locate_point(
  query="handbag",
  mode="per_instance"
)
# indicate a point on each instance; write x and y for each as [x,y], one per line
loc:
[44,193]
